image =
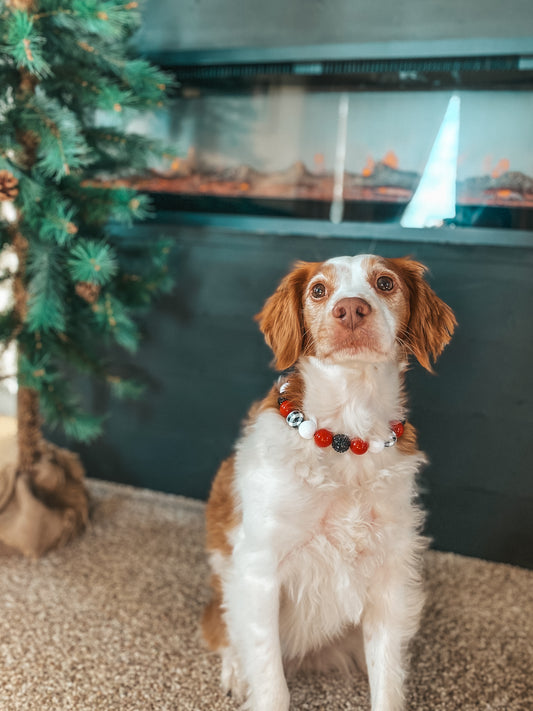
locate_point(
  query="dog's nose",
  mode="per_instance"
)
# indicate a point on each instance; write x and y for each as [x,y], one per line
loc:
[351,311]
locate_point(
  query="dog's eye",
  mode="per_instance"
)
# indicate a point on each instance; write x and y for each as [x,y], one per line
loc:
[318,291]
[385,283]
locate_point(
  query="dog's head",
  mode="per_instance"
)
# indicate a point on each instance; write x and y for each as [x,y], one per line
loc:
[363,308]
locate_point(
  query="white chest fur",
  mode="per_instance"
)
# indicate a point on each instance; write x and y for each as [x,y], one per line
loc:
[332,519]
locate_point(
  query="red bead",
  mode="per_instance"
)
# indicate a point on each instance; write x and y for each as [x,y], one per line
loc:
[358,446]
[286,407]
[397,428]
[323,438]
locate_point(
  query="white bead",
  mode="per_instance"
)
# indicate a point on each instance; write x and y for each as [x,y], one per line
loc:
[284,387]
[376,446]
[307,429]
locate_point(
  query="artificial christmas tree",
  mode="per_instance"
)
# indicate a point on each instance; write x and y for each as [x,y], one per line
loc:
[78,286]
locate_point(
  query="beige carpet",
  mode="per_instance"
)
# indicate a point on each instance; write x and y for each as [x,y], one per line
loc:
[111,622]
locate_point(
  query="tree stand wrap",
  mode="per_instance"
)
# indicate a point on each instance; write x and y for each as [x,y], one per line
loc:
[45,507]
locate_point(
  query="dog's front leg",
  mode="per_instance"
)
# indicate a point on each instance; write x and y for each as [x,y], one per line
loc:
[388,625]
[385,672]
[253,618]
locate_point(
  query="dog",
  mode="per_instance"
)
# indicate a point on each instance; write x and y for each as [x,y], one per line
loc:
[313,526]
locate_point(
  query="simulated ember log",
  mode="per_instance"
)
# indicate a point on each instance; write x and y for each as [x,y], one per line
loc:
[510,188]
[295,182]
[380,184]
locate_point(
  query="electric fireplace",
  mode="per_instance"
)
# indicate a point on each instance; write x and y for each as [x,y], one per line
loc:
[419,143]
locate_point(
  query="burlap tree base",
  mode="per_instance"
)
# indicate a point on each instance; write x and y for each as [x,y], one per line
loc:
[46,509]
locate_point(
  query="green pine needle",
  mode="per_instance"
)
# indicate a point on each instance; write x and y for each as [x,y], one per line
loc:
[94,262]
[124,388]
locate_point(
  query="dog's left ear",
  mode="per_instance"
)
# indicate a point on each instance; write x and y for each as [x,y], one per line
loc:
[431,322]
[281,319]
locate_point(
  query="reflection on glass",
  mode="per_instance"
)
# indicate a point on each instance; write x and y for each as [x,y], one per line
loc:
[434,199]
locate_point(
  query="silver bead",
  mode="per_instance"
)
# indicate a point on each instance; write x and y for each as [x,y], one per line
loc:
[295,418]
[392,441]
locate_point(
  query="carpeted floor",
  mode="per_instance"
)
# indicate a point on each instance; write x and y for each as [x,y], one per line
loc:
[111,623]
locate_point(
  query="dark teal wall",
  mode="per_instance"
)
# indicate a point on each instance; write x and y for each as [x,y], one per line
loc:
[207,362]
[455,25]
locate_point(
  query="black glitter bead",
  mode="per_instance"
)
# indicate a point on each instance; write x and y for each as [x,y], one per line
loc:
[282,399]
[341,443]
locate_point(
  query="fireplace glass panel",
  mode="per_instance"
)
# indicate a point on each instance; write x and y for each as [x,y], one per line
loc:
[419,158]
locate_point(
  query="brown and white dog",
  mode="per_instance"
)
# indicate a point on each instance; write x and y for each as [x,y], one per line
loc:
[313,530]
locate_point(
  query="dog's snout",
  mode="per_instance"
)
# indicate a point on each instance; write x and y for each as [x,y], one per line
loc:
[351,311]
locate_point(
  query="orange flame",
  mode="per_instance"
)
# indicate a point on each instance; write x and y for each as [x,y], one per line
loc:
[369,167]
[501,167]
[319,160]
[391,160]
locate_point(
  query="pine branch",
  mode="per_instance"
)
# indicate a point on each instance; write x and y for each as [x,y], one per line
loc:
[111,315]
[46,288]
[61,145]
[52,218]
[25,45]
[100,204]
[104,19]
[59,405]
[119,152]
[61,410]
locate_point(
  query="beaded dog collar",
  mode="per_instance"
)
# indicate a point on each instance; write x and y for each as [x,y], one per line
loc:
[308,429]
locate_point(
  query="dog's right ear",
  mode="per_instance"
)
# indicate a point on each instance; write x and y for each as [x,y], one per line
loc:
[281,319]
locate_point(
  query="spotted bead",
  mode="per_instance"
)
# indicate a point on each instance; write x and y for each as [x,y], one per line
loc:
[295,418]
[341,443]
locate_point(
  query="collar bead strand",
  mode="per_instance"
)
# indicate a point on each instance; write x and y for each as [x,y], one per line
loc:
[308,429]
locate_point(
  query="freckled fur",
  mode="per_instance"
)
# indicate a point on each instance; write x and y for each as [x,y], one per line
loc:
[315,554]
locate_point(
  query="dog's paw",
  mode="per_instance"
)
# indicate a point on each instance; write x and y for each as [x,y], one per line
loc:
[231,678]
[269,700]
